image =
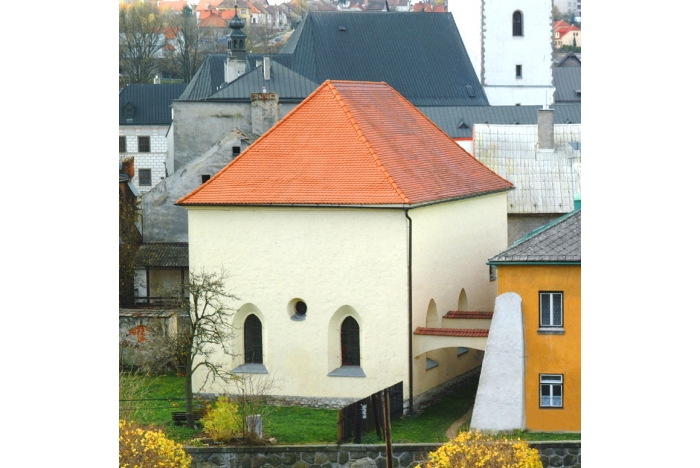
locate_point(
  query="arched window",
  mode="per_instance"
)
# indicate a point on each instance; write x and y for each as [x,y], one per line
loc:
[252,340]
[350,342]
[517,23]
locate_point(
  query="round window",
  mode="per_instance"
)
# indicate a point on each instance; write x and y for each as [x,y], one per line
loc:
[300,308]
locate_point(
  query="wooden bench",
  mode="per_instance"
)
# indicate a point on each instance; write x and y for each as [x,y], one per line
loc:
[180,417]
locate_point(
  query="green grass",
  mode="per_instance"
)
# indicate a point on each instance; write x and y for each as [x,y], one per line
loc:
[297,425]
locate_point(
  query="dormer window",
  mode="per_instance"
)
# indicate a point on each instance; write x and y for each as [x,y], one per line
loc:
[517,23]
[129,112]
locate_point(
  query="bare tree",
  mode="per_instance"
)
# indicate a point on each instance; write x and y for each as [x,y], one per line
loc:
[141,38]
[188,53]
[206,300]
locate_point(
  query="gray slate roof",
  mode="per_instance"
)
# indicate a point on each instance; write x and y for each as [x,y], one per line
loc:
[567,80]
[151,103]
[207,80]
[163,255]
[458,121]
[545,182]
[558,241]
[288,85]
[422,56]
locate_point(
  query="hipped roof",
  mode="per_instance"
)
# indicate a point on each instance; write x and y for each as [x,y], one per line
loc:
[350,143]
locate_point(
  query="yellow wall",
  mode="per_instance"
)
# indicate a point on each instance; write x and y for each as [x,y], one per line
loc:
[549,354]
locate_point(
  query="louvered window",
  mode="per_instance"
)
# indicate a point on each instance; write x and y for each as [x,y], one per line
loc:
[350,342]
[252,340]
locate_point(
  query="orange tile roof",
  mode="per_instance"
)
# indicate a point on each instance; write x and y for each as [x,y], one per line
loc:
[212,21]
[470,332]
[350,143]
[207,4]
[461,314]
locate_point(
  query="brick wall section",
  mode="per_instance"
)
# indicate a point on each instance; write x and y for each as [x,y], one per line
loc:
[154,160]
[554,454]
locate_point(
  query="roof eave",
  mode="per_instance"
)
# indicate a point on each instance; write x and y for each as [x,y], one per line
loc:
[533,262]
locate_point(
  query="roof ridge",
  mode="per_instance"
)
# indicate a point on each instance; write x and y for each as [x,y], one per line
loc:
[245,152]
[363,138]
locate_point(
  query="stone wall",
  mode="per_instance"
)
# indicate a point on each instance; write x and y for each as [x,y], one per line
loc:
[554,454]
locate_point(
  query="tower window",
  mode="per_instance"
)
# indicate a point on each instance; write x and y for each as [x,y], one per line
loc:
[517,23]
[518,71]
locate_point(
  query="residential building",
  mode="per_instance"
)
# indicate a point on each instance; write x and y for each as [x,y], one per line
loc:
[540,275]
[566,34]
[510,44]
[370,223]
[144,119]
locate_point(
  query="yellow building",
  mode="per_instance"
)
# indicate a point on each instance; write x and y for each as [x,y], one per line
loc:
[544,269]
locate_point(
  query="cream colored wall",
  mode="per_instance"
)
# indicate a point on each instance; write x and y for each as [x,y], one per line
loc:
[450,366]
[451,244]
[329,258]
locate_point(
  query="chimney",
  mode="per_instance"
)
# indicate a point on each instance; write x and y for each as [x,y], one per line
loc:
[545,129]
[266,68]
[264,111]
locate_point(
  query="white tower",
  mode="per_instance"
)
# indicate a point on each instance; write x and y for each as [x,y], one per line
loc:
[510,45]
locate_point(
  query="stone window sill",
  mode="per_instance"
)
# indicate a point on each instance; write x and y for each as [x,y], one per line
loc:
[550,331]
[348,371]
[251,369]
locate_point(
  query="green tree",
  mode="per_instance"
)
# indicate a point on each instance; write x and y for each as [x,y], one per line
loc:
[141,38]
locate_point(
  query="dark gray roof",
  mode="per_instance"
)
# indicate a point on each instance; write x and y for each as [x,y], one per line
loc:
[151,103]
[207,80]
[288,85]
[421,56]
[162,255]
[567,80]
[558,241]
[457,121]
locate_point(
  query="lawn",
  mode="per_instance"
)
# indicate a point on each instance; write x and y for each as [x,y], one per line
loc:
[297,425]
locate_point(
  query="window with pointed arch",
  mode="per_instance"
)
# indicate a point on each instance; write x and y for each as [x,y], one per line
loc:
[252,340]
[350,342]
[517,23]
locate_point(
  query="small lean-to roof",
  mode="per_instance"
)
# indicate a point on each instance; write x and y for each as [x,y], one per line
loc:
[162,255]
[350,143]
[151,103]
[556,242]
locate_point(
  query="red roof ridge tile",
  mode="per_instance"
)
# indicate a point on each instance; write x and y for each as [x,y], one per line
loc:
[462,314]
[466,332]
[363,138]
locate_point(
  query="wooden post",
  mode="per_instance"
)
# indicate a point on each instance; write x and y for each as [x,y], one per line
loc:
[387,428]
[357,423]
[378,424]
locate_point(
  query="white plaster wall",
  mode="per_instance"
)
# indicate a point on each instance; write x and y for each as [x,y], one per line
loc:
[467,16]
[523,95]
[468,145]
[451,244]
[328,258]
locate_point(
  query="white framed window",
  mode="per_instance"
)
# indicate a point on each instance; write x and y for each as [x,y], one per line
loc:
[551,309]
[551,390]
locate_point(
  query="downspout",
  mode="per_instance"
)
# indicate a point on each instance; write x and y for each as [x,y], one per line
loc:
[410,312]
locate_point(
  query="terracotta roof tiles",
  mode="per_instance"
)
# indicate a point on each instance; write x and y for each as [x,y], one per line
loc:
[350,143]
[466,332]
[460,314]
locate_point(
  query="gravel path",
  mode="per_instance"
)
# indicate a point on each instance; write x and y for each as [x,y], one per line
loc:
[452,431]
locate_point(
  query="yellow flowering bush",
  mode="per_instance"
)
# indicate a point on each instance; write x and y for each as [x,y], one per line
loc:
[223,422]
[145,448]
[477,449]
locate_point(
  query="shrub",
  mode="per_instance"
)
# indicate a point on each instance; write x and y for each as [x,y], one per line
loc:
[222,422]
[139,447]
[476,449]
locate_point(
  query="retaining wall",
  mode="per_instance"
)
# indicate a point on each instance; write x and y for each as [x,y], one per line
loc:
[554,454]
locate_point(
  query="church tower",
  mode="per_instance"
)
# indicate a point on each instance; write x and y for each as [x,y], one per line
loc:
[235,62]
[510,45]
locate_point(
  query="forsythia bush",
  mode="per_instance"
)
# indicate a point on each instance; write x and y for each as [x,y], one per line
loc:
[143,448]
[476,449]
[223,422]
